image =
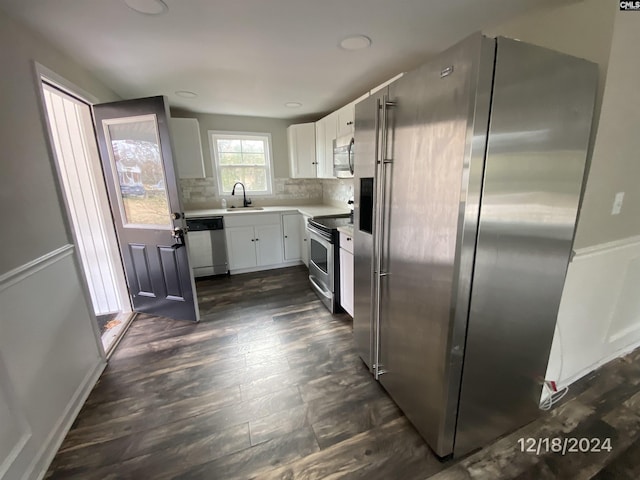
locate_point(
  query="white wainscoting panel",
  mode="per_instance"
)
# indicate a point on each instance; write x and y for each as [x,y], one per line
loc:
[50,359]
[15,428]
[599,317]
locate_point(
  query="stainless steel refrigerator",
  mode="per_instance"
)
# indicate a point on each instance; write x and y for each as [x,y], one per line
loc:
[468,173]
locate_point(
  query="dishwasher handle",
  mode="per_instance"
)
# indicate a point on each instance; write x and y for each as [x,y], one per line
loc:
[205,223]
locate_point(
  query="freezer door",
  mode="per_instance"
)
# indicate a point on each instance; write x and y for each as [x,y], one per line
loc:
[366,137]
[436,143]
[540,124]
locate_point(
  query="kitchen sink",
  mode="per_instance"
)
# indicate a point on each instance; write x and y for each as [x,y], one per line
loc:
[235,209]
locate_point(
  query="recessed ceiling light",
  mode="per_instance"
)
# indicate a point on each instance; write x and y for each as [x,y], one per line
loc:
[293,104]
[355,42]
[148,7]
[186,94]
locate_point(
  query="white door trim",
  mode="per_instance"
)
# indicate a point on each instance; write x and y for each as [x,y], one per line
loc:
[44,74]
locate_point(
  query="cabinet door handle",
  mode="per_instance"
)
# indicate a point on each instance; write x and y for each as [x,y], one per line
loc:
[252,240]
[286,236]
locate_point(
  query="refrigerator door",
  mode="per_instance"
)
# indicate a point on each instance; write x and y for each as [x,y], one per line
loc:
[436,144]
[537,147]
[367,133]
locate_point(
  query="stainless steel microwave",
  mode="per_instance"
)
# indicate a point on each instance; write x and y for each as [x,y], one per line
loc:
[343,157]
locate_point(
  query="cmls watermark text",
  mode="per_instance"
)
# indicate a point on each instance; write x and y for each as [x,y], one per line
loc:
[626,5]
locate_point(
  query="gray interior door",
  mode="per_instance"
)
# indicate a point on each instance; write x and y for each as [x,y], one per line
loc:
[140,174]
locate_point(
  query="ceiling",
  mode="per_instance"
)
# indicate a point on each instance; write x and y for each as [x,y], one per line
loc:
[250,57]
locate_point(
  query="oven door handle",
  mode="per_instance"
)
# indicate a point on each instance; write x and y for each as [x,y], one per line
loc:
[318,237]
[322,291]
[318,234]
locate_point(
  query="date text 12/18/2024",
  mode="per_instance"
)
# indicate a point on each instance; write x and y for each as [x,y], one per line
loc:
[564,445]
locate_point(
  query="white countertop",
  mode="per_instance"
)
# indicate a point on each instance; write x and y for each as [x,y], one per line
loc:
[310,210]
[346,229]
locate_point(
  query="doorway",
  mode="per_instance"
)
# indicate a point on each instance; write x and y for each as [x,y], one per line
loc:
[79,169]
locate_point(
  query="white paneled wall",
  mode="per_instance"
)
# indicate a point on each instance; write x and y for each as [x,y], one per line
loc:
[44,316]
[68,122]
[16,430]
[599,317]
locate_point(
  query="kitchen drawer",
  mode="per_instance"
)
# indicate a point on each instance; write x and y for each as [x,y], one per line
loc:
[251,220]
[346,242]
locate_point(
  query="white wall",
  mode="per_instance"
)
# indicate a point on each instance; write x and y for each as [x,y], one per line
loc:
[582,29]
[277,127]
[49,351]
[599,317]
[615,166]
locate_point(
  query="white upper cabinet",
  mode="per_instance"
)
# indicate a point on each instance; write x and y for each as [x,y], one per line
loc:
[346,117]
[302,150]
[328,128]
[321,149]
[187,147]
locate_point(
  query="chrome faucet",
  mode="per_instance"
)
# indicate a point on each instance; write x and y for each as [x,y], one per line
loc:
[245,202]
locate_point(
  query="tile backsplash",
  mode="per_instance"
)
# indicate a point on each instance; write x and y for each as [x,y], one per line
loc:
[203,193]
[337,192]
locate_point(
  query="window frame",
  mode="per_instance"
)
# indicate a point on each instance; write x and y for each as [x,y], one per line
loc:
[233,135]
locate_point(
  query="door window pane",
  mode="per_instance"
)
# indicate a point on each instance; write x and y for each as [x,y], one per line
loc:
[139,172]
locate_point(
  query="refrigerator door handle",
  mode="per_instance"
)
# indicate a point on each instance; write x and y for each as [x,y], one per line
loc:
[383,162]
[375,281]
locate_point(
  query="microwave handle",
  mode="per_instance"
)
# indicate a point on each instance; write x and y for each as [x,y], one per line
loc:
[350,155]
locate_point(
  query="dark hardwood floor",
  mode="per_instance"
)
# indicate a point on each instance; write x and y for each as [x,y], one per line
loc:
[269,386]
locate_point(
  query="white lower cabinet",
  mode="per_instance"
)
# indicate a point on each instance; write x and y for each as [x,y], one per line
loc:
[241,247]
[268,241]
[305,242]
[346,273]
[262,241]
[292,236]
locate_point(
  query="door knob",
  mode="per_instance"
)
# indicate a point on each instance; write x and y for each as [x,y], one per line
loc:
[178,235]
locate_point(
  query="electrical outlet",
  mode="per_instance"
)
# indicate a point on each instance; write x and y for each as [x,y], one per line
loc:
[617,203]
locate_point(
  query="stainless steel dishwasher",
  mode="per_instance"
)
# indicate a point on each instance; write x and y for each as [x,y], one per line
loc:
[207,246]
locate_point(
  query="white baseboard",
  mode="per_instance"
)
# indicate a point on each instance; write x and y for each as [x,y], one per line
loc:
[587,370]
[292,263]
[43,459]
[52,331]
[599,315]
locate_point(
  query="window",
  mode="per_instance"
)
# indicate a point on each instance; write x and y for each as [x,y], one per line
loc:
[242,157]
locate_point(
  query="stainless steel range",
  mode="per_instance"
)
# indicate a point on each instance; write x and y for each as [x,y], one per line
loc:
[324,266]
